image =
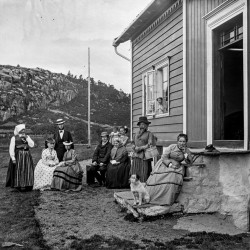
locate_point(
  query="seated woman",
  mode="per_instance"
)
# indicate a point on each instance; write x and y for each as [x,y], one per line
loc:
[117,175]
[46,166]
[68,175]
[165,182]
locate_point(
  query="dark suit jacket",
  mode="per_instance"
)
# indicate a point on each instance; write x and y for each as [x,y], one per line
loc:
[66,137]
[59,146]
[102,153]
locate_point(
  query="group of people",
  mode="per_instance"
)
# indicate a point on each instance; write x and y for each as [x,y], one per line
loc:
[111,166]
[110,163]
[57,169]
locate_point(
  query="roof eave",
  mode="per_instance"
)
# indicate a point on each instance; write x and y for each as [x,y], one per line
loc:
[142,21]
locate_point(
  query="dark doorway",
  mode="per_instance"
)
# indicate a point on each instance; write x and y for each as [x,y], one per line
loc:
[228,81]
[233,95]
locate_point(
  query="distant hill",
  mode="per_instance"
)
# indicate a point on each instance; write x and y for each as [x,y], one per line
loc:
[38,97]
[108,105]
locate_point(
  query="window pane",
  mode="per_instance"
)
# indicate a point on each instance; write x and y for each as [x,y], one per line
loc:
[165,73]
[150,79]
[150,107]
[150,92]
[162,90]
[150,95]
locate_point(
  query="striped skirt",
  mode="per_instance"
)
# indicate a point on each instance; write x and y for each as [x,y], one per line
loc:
[21,174]
[164,184]
[142,168]
[65,178]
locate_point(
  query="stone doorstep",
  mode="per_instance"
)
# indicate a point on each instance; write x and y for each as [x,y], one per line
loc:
[194,222]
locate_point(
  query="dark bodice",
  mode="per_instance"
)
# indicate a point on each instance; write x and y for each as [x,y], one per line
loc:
[21,143]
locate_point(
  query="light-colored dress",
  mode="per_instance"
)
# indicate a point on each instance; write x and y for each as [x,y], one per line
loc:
[45,168]
[113,136]
[68,175]
[123,139]
[165,182]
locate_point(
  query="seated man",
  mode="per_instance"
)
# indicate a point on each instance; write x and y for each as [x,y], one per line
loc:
[100,160]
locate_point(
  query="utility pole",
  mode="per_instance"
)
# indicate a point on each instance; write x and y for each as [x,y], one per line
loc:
[89,134]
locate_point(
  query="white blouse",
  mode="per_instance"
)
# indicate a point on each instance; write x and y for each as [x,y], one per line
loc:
[12,146]
[49,157]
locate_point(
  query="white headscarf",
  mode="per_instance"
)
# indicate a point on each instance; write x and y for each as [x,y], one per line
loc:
[18,128]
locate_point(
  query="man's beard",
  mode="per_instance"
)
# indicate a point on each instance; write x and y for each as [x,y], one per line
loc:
[142,130]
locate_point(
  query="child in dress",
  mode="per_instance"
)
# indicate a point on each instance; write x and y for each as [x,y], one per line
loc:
[114,135]
[46,166]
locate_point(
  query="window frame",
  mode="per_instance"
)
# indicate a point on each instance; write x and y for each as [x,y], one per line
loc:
[155,72]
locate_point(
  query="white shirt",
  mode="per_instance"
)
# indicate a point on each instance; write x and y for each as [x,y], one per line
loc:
[61,133]
[12,146]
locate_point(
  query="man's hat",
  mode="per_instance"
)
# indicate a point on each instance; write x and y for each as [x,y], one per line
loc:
[143,119]
[59,122]
[67,143]
[104,134]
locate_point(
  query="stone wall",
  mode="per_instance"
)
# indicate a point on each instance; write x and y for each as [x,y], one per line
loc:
[219,183]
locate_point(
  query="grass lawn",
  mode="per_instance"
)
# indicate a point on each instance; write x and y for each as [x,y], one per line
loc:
[19,224]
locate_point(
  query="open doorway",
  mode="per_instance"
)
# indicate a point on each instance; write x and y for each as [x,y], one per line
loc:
[228,81]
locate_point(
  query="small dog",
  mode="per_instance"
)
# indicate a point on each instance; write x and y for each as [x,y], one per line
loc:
[138,190]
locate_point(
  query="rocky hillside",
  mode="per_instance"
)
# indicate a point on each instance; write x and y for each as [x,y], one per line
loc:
[38,97]
[23,89]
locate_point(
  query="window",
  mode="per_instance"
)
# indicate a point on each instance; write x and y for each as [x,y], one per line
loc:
[156,90]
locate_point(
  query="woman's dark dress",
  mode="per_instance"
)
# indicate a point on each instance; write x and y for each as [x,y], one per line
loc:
[117,176]
[68,176]
[21,174]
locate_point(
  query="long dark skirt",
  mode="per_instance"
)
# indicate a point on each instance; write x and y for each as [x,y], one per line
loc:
[66,178]
[21,174]
[142,168]
[117,176]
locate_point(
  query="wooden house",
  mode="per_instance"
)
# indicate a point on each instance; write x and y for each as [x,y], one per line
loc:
[190,66]
[190,70]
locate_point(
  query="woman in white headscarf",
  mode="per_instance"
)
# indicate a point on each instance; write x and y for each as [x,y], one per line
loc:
[21,169]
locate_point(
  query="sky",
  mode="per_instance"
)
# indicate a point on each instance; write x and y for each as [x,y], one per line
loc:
[56,34]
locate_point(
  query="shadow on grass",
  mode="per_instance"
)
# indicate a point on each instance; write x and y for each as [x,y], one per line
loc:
[201,240]
[18,222]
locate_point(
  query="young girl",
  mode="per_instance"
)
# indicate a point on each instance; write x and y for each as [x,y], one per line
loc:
[114,135]
[122,135]
[68,175]
[46,166]
[21,169]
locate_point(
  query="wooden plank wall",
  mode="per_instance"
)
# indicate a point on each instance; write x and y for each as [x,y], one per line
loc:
[196,67]
[165,40]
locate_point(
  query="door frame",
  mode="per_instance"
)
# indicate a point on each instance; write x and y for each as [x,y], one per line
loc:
[214,19]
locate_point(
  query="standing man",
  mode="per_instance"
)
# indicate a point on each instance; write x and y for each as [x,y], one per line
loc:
[61,136]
